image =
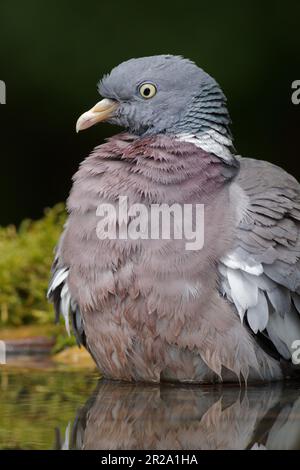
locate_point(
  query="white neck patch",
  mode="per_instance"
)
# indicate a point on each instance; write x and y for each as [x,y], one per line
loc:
[210,141]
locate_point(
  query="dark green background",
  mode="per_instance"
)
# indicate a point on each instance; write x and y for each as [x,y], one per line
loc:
[52,54]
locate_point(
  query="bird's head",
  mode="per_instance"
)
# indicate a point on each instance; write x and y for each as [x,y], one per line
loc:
[159,94]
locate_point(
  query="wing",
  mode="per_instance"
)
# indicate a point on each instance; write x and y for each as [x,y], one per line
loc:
[59,294]
[261,274]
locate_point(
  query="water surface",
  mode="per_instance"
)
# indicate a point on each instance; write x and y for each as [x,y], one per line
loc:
[44,407]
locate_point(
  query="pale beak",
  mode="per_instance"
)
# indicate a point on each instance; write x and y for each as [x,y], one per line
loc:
[100,112]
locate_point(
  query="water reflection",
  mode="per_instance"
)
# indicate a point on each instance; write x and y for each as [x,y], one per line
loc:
[124,416]
[46,408]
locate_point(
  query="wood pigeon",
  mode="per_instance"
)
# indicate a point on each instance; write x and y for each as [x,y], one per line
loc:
[151,309]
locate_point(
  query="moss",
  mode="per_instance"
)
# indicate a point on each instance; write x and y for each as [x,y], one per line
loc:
[26,255]
[62,341]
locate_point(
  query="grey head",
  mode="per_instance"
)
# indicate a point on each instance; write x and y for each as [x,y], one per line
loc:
[161,94]
[165,93]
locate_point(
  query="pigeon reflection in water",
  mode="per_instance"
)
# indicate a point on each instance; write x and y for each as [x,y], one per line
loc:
[128,416]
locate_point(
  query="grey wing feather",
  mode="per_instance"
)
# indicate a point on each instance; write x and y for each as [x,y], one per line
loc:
[261,274]
[59,294]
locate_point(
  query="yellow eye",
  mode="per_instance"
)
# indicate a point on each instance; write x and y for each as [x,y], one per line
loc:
[147,90]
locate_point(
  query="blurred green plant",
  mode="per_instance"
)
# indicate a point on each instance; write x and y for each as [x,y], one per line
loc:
[26,255]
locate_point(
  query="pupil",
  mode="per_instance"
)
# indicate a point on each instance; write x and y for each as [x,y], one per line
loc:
[147,91]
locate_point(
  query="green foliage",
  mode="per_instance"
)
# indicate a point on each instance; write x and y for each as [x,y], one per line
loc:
[26,255]
[63,341]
